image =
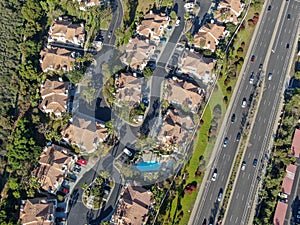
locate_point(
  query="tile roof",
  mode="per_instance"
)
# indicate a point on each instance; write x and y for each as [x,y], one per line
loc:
[137,53]
[133,206]
[288,179]
[229,11]
[192,64]
[53,166]
[183,93]
[280,212]
[55,95]
[175,128]
[128,89]
[208,36]
[85,133]
[296,144]
[63,30]
[152,26]
[55,58]
[37,211]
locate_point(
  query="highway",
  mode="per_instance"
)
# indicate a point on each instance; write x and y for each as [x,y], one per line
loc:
[208,206]
[247,182]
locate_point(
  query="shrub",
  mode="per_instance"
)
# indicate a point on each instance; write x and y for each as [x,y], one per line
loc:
[225,100]
[229,90]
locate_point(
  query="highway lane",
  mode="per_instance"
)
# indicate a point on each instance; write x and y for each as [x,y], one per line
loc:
[208,207]
[245,190]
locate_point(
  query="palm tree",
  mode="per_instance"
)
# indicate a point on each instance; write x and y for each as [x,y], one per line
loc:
[104,174]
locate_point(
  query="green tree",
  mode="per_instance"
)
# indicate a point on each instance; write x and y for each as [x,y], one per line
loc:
[104,174]
[75,76]
[89,94]
[84,186]
[173,15]
[147,72]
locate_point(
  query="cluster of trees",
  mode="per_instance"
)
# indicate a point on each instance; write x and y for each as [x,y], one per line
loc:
[280,158]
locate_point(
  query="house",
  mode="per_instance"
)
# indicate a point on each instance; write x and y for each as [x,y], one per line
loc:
[183,93]
[153,26]
[296,144]
[64,31]
[38,211]
[287,185]
[85,133]
[128,89]
[288,179]
[133,207]
[229,11]
[209,35]
[175,129]
[192,64]
[280,212]
[137,54]
[57,59]
[53,166]
[55,96]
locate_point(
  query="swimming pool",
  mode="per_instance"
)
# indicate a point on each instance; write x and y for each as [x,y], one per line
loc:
[148,166]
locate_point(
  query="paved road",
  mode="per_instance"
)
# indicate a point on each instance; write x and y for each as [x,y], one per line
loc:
[200,18]
[208,206]
[247,183]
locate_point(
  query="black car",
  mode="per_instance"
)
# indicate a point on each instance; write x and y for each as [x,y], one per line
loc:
[225,142]
[269,7]
[289,16]
[233,118]
[254,162]
[260,67]
[287,45]
[238,136]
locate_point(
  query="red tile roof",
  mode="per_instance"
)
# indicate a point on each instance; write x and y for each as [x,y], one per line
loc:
[288,180]
[280,213]
[296,144]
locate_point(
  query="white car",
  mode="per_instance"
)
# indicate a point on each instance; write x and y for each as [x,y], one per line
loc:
[220,196]
[244,104]
[127,152]
[270,76]
[177,22]
[243,165]
[251,80]
[214,177]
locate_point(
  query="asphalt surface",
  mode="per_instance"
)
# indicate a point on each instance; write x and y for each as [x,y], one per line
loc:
[247,183]
[208,207]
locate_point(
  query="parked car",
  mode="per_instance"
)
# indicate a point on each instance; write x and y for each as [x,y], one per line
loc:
[71,177]
[65,190]
[109,34]
[127,152]
[82,162]
[60,209]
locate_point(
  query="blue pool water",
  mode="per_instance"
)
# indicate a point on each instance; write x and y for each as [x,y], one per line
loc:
[148,166]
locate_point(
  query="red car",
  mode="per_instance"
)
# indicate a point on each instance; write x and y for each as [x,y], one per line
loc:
[82,162]
[252,58]
[65,190]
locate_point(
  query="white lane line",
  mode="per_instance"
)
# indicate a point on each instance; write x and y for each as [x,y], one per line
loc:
[210,197]
[265,120]
[259,118]
[237,196]
[259,137]
[230,218]
[248,176]
[264,101]
[243,197]
[277,57]
[236,219]
[223,178]
[274,87]
[281,42]
[254,136]
[224,156]
[269,103]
